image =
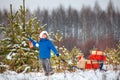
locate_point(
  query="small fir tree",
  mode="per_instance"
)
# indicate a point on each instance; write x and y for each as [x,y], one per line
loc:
[118,54]
[113,55]
[15,43]
[57,37]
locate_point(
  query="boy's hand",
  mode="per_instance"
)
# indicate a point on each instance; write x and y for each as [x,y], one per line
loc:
[57,55]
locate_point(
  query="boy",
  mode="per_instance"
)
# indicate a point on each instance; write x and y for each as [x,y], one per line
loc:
[45,45]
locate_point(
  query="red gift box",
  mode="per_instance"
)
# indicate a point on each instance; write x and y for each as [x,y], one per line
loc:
[98,57]
[88,64]
[95,65]
[97,52]
[92,64]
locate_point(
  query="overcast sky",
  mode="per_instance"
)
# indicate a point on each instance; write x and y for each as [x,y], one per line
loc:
[52,4]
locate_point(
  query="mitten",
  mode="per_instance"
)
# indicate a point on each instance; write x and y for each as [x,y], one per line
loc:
[57,55]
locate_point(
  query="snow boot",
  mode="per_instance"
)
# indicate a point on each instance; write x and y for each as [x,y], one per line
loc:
[51,73]
[46,74]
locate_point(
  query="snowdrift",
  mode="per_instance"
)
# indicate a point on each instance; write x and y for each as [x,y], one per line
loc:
[78,75]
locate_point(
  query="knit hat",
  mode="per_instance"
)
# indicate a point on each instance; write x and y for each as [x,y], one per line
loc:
[43,32]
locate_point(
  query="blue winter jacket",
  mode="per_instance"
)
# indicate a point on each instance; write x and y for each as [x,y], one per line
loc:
[45,46]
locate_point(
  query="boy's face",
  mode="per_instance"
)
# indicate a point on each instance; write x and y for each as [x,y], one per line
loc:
[44,36]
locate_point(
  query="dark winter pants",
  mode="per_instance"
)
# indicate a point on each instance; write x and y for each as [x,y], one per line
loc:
[46,64]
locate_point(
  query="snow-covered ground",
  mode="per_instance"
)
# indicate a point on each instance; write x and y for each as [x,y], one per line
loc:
[78,75]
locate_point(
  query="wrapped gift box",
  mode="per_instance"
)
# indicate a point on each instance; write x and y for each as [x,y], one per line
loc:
[98,57]
[79,57]
[81,64]
[88,64]
[92,64]
[95,64]
[96,52]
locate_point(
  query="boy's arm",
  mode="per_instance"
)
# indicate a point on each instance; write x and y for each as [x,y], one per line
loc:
[53,48]
[35,44]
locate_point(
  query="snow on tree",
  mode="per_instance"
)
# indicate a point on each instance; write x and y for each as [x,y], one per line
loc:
[15,43]
[67,58]
[113,55]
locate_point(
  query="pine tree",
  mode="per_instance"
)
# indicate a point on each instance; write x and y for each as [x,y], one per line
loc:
[73,59]
[67,59]
[15,43]
[57,37]
[110,54]
[118,54]
[74,53]
[113,55]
